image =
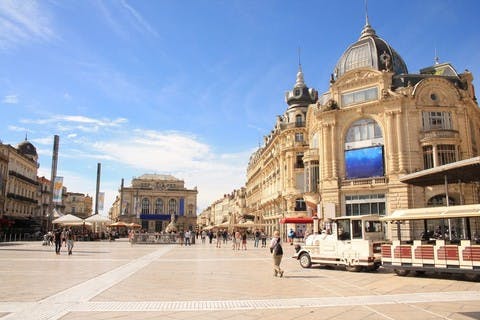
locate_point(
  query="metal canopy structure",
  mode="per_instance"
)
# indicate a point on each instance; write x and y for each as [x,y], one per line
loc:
[461,171]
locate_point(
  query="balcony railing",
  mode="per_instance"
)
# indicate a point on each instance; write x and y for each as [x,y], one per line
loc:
[438,134]
[368,181]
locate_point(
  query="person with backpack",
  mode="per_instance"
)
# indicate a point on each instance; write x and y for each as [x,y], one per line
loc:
[277,252]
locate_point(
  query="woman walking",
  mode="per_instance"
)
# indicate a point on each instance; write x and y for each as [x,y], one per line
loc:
[277,252]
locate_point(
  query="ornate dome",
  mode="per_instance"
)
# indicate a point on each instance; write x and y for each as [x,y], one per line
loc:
[27,149]
[301,95]
[372,52]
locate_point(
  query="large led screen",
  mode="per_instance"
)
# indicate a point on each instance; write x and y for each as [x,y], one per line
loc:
[364,163]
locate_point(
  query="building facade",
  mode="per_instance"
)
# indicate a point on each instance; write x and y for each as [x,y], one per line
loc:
[78,204]
[20,205]
[378,122]
[153,200]
[343,153]
[275,172]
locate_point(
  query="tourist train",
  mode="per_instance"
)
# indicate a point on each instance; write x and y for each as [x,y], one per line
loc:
[435,239]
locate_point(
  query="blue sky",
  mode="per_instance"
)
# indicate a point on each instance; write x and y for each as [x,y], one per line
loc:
[189,88]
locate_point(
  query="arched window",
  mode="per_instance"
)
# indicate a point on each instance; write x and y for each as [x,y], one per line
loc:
[440,200]
[362,133]
[145,205]
[159,206]
[172,206]
[364,150]
[190,209]
[299,119]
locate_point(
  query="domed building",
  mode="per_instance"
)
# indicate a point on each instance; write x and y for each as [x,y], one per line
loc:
[275,172]
[28,150]
[378,123]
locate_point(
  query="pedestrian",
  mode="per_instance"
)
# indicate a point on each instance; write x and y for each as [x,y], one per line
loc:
[234,241]
[238,240]
[263,236]
[291,236]
[203,235]
[57,235]
[64,237]
[210,236]
[244,240]
[181,237]
[277,253]
[257,238]
[225,236]
[69,236]
[219,239]
[187,237]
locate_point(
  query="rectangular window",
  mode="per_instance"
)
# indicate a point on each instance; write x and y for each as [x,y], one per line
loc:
[365,204]
[427,157]
[446,154]
[434,120]
[298,137]
[360,96]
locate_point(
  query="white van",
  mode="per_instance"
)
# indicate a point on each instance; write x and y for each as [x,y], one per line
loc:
[352,241]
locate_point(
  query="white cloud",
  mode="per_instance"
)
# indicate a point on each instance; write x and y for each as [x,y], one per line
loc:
[121,18]
[140,22]
[46,141]
[22,22]
[18,129]
[181,155]
[82,123]
[10,99]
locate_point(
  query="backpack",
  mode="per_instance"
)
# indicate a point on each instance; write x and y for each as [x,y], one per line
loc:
[278,250]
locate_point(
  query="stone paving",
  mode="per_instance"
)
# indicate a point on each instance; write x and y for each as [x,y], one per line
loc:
[114,280]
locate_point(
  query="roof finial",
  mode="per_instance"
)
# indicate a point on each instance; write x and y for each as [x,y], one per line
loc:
[299,59]
[300,81]
[367,29]
[437,59]
[26,136]
[366,13]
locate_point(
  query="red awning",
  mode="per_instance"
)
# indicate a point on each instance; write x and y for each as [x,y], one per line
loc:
[297,220]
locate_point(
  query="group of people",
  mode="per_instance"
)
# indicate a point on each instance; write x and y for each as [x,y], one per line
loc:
[61,237]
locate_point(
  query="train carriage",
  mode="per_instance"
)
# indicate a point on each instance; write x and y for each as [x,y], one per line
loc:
[438,239]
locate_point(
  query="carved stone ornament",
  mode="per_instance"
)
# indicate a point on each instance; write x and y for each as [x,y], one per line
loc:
[387,61]
[330,105]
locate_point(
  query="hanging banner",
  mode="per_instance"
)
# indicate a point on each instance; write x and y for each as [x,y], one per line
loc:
[57,189]
[101,199]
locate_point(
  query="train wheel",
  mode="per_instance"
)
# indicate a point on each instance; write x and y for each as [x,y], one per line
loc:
[373,268]
[401,272]
[305,260]
[472,276]
[351,268]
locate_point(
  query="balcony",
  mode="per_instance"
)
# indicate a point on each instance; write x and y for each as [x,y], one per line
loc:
[11,195]
[367,181]
[22,177]
[433,135]
[299,124]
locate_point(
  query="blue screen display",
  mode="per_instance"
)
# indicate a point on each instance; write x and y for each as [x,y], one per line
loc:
[364,163]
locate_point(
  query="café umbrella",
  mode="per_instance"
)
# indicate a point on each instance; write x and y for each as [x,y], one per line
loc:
[68,219]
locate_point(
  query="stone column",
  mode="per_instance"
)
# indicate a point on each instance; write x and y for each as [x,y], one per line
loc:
[400,143]
[389,147]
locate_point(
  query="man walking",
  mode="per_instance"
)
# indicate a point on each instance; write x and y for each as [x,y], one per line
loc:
[58,240]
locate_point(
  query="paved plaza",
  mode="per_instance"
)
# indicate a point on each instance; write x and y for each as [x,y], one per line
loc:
[114,280]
